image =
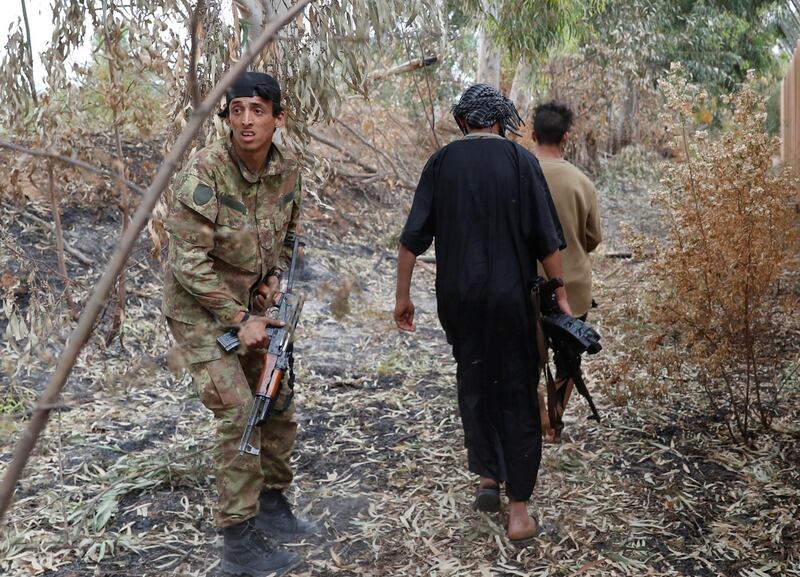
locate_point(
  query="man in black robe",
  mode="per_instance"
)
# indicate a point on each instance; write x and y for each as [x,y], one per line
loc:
[485,202]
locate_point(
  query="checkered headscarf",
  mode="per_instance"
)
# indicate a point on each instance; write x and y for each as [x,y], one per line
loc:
[482,105]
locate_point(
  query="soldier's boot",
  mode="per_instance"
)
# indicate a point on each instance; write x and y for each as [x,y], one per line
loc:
[275,518]
[247,552]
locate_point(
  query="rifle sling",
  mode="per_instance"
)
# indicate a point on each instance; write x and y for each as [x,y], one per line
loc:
[549,418]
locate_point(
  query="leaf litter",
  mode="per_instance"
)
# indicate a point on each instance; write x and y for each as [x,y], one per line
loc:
[122,481]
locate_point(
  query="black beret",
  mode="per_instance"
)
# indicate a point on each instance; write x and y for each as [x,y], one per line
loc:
[254,84]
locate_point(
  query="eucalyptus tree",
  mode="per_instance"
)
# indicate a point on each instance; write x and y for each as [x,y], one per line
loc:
[517,36]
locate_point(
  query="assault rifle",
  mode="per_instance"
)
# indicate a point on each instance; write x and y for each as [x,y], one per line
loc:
[569,338]
[278,356]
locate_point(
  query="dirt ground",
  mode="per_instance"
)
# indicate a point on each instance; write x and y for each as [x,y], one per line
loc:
[121,483]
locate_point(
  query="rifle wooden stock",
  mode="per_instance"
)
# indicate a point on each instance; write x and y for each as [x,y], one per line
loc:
[269,383]
[265,381]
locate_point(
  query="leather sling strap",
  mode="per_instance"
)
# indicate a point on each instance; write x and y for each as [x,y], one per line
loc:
[549,417]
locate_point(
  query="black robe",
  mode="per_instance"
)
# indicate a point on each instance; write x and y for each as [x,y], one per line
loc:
[485,201]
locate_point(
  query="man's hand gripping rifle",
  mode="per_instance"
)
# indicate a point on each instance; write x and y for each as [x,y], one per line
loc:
[278,356]
[569,338]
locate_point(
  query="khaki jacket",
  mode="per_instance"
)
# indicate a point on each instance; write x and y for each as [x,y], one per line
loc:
[575,198]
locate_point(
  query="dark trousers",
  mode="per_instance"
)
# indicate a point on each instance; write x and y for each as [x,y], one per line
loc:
[500,413]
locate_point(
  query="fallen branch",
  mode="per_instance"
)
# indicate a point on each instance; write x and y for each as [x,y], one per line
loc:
[626,254]
[368,144]
[357,175]
[88,507]
[69,160]
[347,154]
[81,333]
[80,256]
[364,177]
[409,66]
[355,160]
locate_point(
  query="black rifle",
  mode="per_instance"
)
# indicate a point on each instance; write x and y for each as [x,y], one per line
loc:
[278,357]
[568,337]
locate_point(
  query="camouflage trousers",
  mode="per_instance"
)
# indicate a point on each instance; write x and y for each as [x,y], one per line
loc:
[225,386]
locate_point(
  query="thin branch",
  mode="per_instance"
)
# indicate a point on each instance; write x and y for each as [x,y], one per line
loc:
[62,265]
[81,333]
[114,102]
[29,53]
[69,160]
[430,94]
[429,119]
[359,175]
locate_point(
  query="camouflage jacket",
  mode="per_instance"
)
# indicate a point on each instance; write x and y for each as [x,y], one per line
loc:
[226,228]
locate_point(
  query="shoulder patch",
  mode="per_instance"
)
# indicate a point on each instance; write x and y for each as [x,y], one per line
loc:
[202,194]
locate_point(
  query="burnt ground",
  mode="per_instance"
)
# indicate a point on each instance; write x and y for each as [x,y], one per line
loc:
[121,482]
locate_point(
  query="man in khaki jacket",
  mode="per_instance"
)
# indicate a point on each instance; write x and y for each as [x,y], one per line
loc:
[575,199]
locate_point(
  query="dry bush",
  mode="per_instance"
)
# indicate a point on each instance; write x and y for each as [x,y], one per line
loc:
[716,306]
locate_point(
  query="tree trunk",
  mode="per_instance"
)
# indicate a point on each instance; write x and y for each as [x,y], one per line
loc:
[520,93]
[488,60]
[488,54]
[258,13]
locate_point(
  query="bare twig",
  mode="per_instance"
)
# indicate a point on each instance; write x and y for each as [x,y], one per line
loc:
[358,175]
[29,53]
[62,265]
[61,497]
[81,333]
[428,259]
[347,154]
[69,160]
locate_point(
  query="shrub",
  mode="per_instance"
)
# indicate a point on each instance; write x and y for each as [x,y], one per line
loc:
[732,233]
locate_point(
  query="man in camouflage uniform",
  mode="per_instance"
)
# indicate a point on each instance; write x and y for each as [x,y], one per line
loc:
[232,208]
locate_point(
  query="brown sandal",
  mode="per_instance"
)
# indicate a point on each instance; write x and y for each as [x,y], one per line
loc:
[487,499]
[523,542]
